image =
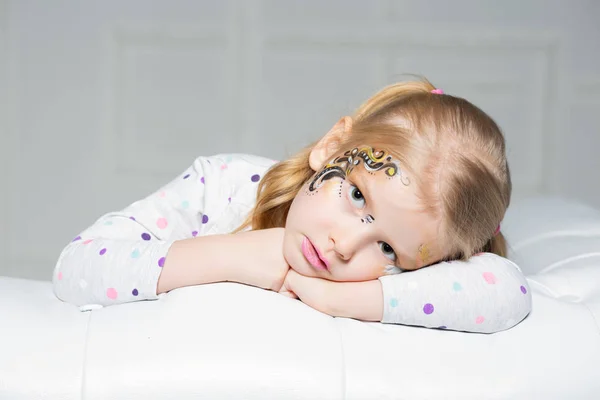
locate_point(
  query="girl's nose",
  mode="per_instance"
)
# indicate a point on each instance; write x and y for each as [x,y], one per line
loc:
[347,241]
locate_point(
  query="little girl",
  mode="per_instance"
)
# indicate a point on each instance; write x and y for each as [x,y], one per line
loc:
[393,216]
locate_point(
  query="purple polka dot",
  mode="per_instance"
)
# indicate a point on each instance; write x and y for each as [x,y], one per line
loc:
[195,233]
[428,308]
[187,176]
[523,290]
[204,219]
[77,238]
[229,199]
[145,236]
[255,178]
[102,252]
[202,179]
[161,262]
[134,292]
[132,218]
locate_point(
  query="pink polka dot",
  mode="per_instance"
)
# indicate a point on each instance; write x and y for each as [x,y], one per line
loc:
[162,194]
[224,166]
[489,278]
[60,276]
[479,320]
[162,223]
[87,241]
[111,293]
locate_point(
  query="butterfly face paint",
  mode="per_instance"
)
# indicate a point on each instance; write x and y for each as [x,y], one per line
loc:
[372,160]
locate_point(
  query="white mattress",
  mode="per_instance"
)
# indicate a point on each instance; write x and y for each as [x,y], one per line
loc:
[185,345]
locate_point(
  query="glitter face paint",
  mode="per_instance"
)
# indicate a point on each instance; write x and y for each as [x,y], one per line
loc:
[423,254]
[372,160]
[368,219]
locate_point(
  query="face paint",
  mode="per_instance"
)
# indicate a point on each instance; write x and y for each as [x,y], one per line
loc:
[424,254]
[368,219]
[373,161]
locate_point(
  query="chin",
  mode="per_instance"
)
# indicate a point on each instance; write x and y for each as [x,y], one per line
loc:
[305,270]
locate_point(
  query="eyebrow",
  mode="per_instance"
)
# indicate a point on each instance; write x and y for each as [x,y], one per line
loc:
[363,180]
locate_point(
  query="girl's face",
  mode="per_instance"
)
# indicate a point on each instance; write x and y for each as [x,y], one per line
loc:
[358,218]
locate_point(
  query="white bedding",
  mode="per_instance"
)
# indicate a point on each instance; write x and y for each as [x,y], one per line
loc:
[186,345]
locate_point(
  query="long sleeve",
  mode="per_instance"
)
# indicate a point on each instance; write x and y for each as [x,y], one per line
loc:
[485,294]
[119,258]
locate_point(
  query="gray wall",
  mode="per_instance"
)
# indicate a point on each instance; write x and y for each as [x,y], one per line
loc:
[102,102]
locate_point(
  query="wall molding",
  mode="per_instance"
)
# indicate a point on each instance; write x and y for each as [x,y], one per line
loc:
[6,135]
[126,40]
[586,90]
[246,40]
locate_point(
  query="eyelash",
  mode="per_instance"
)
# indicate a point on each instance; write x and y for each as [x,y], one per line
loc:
[351,200]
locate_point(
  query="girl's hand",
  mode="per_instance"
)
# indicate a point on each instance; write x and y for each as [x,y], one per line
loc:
[311,291]
[261,262]
[358,300]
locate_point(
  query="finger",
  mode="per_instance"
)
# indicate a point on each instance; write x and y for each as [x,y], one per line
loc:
[291,295]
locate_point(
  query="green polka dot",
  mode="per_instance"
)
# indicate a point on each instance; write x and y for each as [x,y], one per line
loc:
[108,223]
[135,253]
[185,204]
[457,286]
[393,302]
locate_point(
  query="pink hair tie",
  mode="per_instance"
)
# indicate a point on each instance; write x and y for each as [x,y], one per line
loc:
[437,91]
[497,230]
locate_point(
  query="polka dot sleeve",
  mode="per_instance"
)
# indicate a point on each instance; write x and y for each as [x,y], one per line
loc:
[485,294]
[119,258]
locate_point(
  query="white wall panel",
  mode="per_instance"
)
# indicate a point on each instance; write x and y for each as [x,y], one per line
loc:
[6,146]
[173,94]
[580,150]
[295,111]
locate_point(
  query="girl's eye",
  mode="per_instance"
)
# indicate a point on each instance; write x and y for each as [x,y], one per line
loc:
[388,251]
[356,197]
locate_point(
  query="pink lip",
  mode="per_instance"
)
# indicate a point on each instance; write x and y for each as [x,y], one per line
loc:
[313,255]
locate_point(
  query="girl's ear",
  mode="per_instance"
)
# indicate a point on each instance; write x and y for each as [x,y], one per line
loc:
[329,144]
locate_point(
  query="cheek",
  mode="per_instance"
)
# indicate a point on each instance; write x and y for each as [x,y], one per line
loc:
[363,268]
[319,205]
[373,270]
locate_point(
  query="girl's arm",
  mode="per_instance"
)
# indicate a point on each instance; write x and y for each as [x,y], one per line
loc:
[486,294]
[121,256]
[252,258]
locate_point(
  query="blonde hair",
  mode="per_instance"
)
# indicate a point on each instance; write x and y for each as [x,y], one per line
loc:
[452,149]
